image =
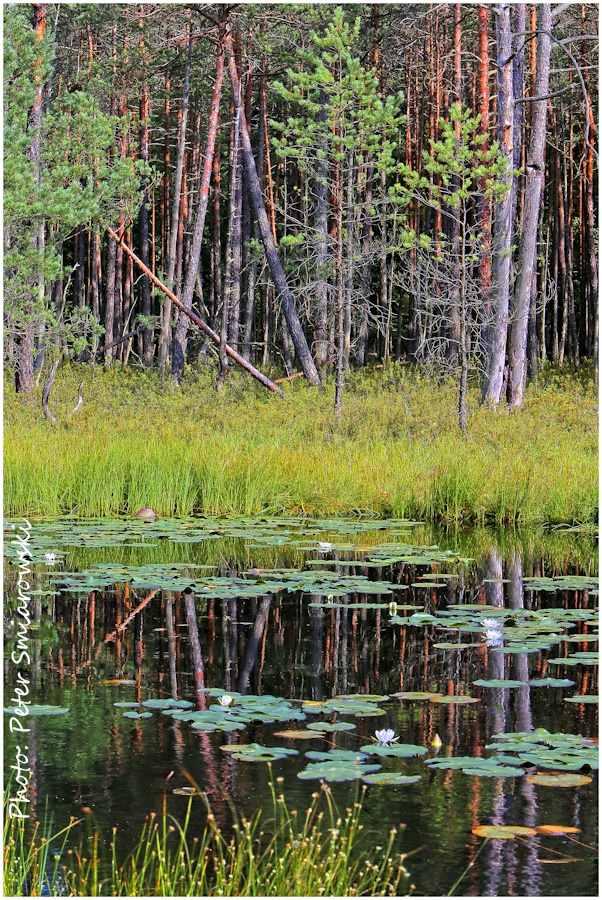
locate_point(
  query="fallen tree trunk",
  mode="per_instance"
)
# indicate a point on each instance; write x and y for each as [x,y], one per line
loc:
[259,376]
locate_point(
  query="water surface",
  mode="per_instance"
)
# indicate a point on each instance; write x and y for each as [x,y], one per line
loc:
[299,609]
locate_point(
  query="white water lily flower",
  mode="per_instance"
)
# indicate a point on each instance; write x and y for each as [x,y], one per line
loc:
[386,736]
[324,546]
[490,623]
[50,558]
[493,637]
[392,608]
[226,700]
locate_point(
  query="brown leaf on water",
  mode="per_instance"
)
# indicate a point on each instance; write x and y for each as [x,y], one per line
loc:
[557,829]
[559,862]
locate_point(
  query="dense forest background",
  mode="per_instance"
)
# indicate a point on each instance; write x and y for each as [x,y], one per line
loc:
[325,187]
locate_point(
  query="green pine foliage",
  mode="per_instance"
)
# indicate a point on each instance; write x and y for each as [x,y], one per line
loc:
[82,179]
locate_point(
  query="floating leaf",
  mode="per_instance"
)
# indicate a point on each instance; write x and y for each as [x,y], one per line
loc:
[563,779]
[499,683]
[331,726]
[257,753]
[363,698]
[167,703]
[124,704]
[551,682]
[336,755]
[557,829]
[461,698]
[390,778]
[37,710]
[417,695]
[583,698]
[337,770]
[299,734]
[403,751]
[502,832]
[132,714]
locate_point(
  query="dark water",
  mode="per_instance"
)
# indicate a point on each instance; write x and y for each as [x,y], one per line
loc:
[122,770]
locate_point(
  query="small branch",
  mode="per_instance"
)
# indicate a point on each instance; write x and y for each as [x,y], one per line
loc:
[288,378]
[46,393]
[80,399]
[120,341]
[123,625]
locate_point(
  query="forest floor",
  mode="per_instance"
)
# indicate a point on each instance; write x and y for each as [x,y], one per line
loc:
[397,450]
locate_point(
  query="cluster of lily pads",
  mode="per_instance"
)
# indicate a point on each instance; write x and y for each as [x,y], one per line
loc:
[517,753]
[514,754]
[262,532]
[512,630]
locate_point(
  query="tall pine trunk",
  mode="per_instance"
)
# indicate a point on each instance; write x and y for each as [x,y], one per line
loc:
[35,286]
[527,253]
[501,274]
[179,342]
[175,213]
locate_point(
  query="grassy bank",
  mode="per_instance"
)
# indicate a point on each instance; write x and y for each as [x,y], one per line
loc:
[317,854]
[396,451]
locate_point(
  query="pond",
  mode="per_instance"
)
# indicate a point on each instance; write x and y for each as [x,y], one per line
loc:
[477,649]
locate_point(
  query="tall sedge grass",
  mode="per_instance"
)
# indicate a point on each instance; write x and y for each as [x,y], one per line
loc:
[396,451]
[312,855]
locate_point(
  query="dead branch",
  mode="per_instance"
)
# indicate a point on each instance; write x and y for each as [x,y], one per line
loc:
[263,379]
[48,388]
[123,625]
[80,399]
[289,377]
[46,392]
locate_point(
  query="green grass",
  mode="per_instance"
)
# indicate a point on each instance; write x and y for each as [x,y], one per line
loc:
[317,854]
[396,451]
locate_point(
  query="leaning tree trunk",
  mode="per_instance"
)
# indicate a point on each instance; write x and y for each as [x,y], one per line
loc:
[527,253]
[501,274]
[271,253]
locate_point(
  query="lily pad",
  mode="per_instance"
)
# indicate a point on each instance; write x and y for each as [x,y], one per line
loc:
[499,683]
[459,699]
[417,695]
[390,778]
[167,703]
[563,779]
[402,751]
[338,770]
[257,753]
[551,682]
[331,726]
[299,734]
[132,714]
[124,704]
[502,832]
[583,698]
[38,710]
